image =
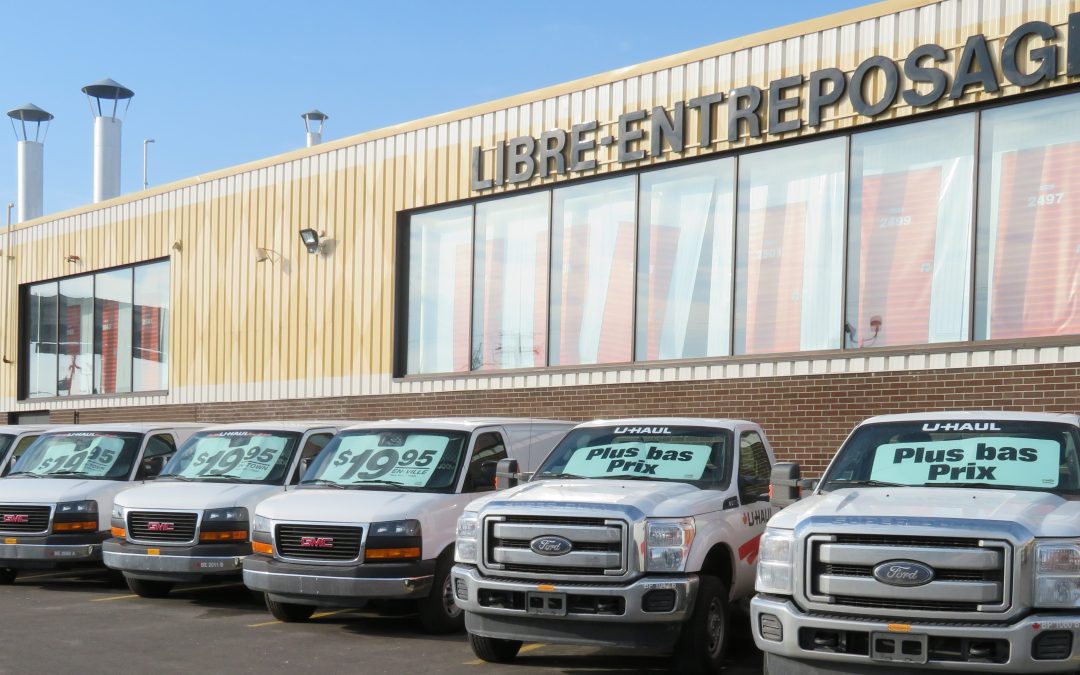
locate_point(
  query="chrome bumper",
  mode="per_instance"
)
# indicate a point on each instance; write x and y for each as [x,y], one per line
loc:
[1019,635]
[297,586]
[56,553]
[179,564]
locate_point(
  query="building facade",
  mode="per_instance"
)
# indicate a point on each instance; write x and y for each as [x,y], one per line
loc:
[876,211]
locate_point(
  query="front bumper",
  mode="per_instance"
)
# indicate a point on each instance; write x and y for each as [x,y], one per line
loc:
[1019,636]
[337,585]
[633,627]
[52,550]
[174,563]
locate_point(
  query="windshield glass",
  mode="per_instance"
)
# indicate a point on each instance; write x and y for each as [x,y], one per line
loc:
[240,456]
[698,455]
[1007,454]
[5,444]
[81,454]
[415,460]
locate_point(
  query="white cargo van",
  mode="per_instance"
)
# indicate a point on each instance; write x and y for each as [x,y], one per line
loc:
[14,440]
[374,516]
[55,503]
[193,521]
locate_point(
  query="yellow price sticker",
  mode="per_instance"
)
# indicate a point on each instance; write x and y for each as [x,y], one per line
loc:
[153,551]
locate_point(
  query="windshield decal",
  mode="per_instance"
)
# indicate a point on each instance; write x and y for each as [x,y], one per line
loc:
[677,461]
[90,454]
[243,455]
[961,426]
[1026,462]
[361,458]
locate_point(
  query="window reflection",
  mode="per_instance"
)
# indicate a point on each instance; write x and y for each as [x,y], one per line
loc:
[41,334]
[76,375]
[112,339]
[150,343]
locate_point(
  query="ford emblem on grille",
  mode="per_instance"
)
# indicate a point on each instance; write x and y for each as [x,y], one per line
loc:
[904,573]
[551,545]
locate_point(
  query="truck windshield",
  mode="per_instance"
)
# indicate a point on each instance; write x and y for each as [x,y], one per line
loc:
[697,455]
[1013,455]
[80,454]
[234,456]
[413,460]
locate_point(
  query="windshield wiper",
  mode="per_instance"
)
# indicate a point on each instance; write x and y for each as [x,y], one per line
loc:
[559,475]
[851,482]
[323,481]
[985,486]
[31,474]
[69,473]
[175,476]
[392,483]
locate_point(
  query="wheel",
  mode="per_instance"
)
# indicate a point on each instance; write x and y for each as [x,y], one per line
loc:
[704,636]
[149,589]
[7,575]
[439,612]
[494,650]
[289,612]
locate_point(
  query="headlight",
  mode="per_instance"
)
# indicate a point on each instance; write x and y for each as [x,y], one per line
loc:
[88,506]
[667,544]
[395,528]
[117,512]
[775,570]
[231,514]
[1057,575]
[468,531]
[261,524]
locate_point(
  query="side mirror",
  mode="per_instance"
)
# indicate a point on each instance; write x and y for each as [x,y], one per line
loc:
[785,486]
[305,462]
[488,470]
[506,474]
[8,466]
[745,484]
[151,467]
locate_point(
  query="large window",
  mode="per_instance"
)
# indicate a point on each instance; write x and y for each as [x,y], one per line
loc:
[89,334]
[909,235]
[869,239]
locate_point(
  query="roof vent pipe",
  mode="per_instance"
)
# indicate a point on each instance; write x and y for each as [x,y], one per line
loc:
[310,118]
[104,98]
[27,123]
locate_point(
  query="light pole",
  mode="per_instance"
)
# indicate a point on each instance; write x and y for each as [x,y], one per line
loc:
[145,154]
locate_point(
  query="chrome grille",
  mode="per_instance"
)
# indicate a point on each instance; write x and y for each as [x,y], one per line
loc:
[24,519]
[318,542]
[598,546]
[162,526]
[970,575]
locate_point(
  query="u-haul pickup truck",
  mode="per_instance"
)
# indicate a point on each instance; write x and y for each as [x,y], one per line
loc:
[943,541]
[633,533]
[55,503]
[193,521]
[373,518]
[14,440]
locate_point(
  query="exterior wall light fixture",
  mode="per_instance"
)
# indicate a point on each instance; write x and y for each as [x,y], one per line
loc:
[312,240]
[72,258]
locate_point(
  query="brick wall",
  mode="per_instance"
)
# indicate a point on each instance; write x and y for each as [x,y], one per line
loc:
[806,417]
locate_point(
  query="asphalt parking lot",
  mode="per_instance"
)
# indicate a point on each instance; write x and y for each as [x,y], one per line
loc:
[89,623]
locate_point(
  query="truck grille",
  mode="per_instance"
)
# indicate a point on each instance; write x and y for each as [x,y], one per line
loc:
[318,542]
[597,546]
[162,526]
[24,519]
[970,575]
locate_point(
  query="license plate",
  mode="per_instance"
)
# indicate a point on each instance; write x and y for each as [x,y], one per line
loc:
[551,604]
[898,647]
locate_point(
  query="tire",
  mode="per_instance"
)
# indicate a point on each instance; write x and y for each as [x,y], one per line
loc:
[494,650]
[289,612]
[439,612]
[704,637]
[7,575]
[146,588]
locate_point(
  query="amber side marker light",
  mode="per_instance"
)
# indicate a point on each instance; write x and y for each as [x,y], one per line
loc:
[391,553]
[118,532]
[86,526]
[232,535]
[259,547]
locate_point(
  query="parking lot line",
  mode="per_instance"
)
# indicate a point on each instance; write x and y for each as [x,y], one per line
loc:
[317,615]
[46,575]
[524,650]
[114,597]
[207,588]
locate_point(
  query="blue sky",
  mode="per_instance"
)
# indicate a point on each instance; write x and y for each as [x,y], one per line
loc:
[220,83]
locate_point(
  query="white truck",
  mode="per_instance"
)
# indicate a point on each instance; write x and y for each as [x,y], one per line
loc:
[943,541]
[14,440]
[193,521]
[373,518]
[55,503]
[633,533]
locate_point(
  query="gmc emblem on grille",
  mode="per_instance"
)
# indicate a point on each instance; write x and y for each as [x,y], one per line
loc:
[155,526]
[904,573]
[16,518]
[551,545]
[317,542]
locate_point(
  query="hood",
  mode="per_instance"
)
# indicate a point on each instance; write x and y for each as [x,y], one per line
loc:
[327,505]
[195,496]
[56,490]
[1043,514]
[650,498]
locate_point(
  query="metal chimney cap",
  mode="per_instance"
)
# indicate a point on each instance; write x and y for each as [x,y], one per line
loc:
[315,115]
[108,89]
[29,113]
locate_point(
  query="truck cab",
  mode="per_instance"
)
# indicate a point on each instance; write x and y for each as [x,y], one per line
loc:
[633,533]
[373,518]
[14,440]
[55,503]
[943,540]
[193,521]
